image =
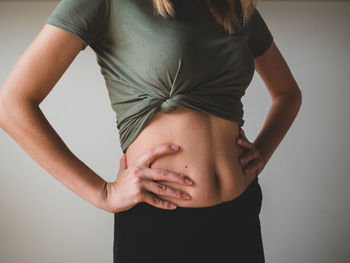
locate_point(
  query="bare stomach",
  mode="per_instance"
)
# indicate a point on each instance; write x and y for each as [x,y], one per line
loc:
[208,155]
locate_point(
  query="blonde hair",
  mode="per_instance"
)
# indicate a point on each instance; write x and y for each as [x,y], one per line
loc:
[222,10]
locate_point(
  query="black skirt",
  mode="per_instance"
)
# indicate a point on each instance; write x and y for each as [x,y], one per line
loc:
[226,232]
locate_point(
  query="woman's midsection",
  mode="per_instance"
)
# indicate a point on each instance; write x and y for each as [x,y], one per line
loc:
[208,154]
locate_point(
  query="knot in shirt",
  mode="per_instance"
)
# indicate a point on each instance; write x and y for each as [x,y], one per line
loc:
[168,104]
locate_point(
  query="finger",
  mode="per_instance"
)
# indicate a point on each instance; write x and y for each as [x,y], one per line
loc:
[164,190]
[241,132]
[158,202]
[247,156]
[252,166]
[243,142]
[123,163]
[159,174]
[153,153]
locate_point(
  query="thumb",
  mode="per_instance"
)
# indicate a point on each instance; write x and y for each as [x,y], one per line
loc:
[123,163]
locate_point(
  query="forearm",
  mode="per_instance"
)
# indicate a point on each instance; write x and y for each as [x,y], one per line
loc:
[279,119]
[27,125]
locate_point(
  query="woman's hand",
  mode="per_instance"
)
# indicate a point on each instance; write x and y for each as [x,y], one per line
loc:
[137,183]
[251,160]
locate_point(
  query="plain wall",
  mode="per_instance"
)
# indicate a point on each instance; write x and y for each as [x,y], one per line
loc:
[305,210]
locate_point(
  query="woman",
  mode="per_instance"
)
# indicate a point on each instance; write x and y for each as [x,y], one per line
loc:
[175,72]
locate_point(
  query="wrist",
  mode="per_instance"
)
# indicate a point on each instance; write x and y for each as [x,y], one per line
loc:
[261,152]
[104,202]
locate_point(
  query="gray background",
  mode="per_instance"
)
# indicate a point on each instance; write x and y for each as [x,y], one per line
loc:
[305,210]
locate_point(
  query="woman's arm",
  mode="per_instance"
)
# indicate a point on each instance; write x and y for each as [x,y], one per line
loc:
[286,100]
[29,82]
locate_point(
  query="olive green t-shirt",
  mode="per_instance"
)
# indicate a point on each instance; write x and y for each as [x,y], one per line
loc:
[154,64]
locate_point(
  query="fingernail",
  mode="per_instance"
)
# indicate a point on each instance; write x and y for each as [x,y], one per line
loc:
[239,141]
[172,206]
[185,195]
[174,147]
[188,180]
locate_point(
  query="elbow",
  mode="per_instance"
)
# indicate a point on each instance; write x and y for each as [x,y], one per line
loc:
[298,96]
[3,111]
[292,94]
[7,107]
[13,107]
[295,96]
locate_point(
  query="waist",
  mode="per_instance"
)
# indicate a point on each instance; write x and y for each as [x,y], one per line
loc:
[208,155]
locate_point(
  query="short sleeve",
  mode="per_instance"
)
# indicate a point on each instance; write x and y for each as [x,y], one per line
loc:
[260,37]
[84,18]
